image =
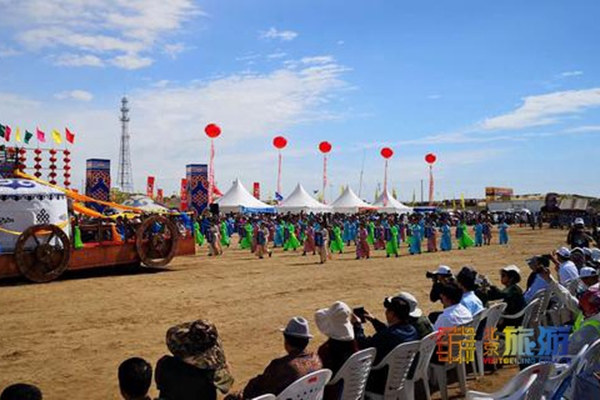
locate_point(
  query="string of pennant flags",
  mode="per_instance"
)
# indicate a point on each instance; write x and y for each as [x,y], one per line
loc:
[26,136]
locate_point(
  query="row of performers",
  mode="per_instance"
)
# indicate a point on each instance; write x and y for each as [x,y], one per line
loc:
[314,233]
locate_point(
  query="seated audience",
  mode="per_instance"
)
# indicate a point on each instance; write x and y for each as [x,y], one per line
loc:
[282,372]
[454,313]
[415,315]
[466,281]
[135,377]
[440,277]
[334,322]
[511,294]
[21,391]
[198,366]
[388,336]
[535,282]
[564,266]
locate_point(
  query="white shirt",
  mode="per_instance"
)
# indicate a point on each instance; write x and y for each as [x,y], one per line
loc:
[567,271]
[472,302]
[453,316]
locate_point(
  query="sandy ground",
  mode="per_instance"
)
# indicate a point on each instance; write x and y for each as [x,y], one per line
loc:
[68,337]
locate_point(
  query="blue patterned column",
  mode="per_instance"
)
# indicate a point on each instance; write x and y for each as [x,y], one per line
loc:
[97,182]
[197,181]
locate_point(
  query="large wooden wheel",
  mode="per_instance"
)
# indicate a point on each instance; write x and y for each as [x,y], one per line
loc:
[42,252]
[156,241]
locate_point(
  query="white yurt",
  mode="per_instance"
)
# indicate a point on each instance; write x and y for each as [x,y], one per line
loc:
[300,201]
[386,203]
[24,203]
[350,203]
[144,203]
[238,199]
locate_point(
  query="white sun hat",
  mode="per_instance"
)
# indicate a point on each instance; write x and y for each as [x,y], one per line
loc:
[334,322]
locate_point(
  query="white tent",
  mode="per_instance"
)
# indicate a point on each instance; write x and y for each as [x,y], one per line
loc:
[24,203]
[299,200]
[144,203]
[238,199]
[386,203]
[349,203]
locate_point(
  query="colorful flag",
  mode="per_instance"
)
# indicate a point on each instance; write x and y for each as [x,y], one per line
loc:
[278,197]
[18,134]
[256,190]
[7,132]
[28,136]
[41,136]
[159,196]
[394,193]
[56,136]
[183,195]
[462,201]
[2,130]
[69,135]
[150,187]
[453,203]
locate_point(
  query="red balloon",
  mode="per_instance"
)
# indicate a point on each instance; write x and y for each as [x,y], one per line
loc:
[212,130]
[386,152]
[279,142]
[430,158]
[325,147]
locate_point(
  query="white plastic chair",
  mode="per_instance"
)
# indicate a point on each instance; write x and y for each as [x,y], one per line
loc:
[421,372]
[494,313]
[354,374]
[398,362]
[565,371]
[267,396]
[477,320]
[440,371]
[309,387]
[529,314]
[514,388]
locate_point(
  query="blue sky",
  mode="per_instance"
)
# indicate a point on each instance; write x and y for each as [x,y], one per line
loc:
[506,93]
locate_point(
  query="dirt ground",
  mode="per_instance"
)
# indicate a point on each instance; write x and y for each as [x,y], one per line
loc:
[68,337]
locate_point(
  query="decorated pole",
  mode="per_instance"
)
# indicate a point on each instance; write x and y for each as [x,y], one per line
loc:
[279,142]
[430,159]
[212,131]
[324,147]
[386,153]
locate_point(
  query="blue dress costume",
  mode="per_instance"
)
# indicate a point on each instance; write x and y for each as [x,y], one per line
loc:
[278,239]
[446,241]
[503,233]
[478,234]
[415,239]
[347,234]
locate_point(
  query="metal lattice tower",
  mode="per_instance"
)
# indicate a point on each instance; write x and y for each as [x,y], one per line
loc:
[125,176]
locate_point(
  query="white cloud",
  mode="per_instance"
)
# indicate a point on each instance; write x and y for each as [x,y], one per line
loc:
[545,109]
[317,60]
[6,51]
[77,60]
[567,74]
[584,129]
[174,49]
[167,122]
[116,32]
[434,96]
[131,61]
[274,56]
[273,33]
[80,95]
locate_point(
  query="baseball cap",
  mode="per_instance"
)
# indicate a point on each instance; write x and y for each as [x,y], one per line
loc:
[564,252]
[586,272]
[579,221]
[443,270]
[414,311]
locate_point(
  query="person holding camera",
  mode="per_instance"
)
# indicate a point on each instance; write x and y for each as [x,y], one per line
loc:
[511,294]
[443,275]
[398,330]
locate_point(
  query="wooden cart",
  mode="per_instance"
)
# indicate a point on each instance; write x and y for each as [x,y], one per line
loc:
[43,252]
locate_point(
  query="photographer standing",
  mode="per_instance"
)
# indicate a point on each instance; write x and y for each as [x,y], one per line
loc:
[578,236]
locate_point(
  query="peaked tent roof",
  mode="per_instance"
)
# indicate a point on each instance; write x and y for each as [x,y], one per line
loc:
[238,199]
[388,204]
[299,200]
[349,202]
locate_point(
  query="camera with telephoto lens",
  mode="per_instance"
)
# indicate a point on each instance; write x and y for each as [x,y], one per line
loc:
[430,275]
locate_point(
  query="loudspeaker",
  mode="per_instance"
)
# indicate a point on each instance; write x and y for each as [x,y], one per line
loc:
[214,208]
